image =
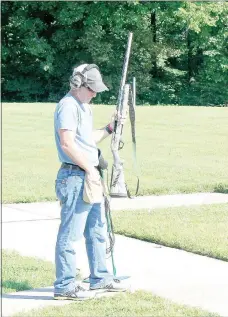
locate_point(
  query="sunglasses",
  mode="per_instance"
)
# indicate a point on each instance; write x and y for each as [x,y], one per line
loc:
[91,90]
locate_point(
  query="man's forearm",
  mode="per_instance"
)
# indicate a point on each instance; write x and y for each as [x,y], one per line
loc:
[77,156]
[101,134]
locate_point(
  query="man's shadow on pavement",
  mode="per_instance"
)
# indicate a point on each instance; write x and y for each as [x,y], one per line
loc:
[33,296]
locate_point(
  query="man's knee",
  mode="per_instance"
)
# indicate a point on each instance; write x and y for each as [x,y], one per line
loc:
[96,233]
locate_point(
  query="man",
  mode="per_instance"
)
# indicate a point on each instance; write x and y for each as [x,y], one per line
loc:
[76,145]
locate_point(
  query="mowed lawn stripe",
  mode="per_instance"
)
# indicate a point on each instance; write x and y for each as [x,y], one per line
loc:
[179,150]
[198,229]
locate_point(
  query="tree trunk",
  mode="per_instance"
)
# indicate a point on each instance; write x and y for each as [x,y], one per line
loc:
[154,36]
[190,59]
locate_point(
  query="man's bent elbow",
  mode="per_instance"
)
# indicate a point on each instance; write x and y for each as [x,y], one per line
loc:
[65,146]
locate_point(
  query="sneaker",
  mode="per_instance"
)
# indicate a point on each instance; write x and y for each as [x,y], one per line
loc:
[79,293]
[113,286]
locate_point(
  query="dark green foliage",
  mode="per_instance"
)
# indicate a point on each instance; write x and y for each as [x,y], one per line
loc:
[179,52]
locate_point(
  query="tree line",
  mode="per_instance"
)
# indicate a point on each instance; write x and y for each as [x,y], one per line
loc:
[179,52]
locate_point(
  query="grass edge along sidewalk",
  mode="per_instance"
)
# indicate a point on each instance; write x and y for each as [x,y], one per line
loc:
[136,304]
[197,229]
[25,272]
[21,273]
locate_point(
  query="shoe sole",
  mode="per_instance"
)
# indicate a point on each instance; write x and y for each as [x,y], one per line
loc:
[103,290]
[72,298]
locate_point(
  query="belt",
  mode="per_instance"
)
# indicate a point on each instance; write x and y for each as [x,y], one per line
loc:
[72,166]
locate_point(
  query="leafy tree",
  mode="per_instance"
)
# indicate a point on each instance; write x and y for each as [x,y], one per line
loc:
[179,51]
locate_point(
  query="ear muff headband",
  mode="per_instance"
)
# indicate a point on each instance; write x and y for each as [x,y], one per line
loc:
[88,67]
[78,79]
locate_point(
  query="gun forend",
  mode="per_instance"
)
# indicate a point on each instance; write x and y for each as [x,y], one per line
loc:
[121,113]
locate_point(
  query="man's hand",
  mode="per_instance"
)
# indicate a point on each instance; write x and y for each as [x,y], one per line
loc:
[101,134]
[93,174]
[116,116]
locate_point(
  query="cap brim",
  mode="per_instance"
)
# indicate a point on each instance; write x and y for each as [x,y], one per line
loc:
[98,86]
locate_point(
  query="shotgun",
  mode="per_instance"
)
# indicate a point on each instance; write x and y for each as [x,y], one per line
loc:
[117,185]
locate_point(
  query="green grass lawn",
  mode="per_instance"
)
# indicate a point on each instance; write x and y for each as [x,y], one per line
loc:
[180,150]
[23,273]
[122,305]
[198,229]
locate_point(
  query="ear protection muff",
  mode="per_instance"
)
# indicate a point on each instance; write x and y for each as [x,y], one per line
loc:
[78,79]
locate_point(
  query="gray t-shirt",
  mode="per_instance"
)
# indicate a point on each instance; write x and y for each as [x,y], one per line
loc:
[72,115]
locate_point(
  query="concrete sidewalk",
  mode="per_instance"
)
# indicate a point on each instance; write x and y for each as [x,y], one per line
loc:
[50,210]
[22,302]
[181,276]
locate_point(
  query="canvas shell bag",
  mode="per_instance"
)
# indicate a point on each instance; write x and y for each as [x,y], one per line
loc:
[93,190]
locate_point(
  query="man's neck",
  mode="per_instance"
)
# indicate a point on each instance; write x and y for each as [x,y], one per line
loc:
[85,105]
[76,95]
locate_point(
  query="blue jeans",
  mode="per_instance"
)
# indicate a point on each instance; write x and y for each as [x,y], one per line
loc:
[78,218]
